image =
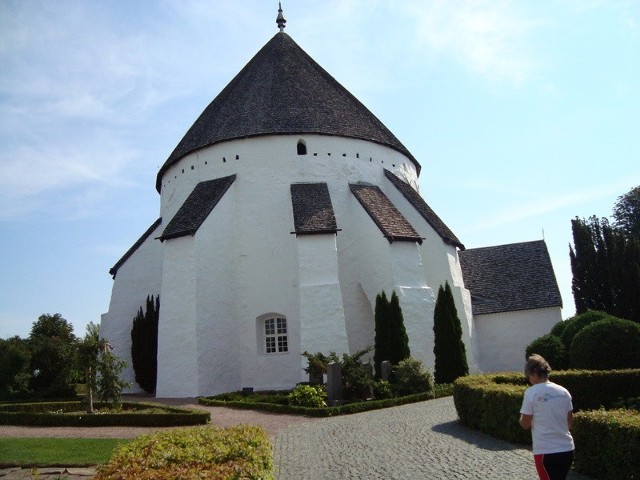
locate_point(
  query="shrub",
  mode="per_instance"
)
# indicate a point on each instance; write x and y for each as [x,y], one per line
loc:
[559,327]
[312,396]
[382,389]
[551,348]
[491,402]
[607,443]
[204,453]
[577,323]
[607,345]
[411,377]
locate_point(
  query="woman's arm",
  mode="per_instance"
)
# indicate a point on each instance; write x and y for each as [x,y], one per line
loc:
[525,421]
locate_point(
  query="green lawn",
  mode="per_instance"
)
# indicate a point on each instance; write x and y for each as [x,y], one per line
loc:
[28,452]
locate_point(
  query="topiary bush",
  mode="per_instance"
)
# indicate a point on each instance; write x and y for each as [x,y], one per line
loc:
[410,377]
[312,396]
[559,327]
[551,348]
[607,345]
[607,443]
[203,453]
[577,323]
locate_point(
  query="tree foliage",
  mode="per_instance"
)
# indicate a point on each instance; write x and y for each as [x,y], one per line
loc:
[53,356]
[450,352]
[391,341]
[14,368]
[144,344]
[626,212]
[605,263]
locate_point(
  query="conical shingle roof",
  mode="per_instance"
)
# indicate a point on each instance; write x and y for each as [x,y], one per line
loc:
[282,90]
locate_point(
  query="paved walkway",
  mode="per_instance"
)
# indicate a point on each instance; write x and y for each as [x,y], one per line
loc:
[418,441]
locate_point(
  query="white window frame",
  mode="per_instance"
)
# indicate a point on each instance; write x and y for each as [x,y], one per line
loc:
[274,335]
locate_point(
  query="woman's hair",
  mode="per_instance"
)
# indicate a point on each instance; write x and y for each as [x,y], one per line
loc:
[537,365]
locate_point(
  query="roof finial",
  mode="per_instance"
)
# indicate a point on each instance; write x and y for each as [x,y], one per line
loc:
[280,20]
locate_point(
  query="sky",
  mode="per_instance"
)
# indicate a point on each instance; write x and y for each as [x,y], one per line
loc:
[523,115]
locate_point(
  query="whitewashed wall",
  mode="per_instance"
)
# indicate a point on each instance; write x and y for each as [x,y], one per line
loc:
[503,337]
[244,263]
[139,277]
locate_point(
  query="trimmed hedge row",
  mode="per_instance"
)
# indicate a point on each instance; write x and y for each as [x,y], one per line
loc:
[317,412]
[607,444]
[492,402]
[240,452]
[66,414]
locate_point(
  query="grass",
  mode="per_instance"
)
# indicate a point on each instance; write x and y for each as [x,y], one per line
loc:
[39,452]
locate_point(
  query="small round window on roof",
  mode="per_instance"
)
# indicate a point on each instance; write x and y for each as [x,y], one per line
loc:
[302,147]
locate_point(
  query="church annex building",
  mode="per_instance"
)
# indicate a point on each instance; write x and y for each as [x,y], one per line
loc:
[285,209]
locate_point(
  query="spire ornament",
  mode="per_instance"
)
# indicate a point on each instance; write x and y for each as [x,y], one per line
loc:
[280,20]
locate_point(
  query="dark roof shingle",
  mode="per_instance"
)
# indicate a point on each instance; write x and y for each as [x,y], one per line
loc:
[312,209]
[383,212]
[425,210]
[282,90]
[197,207]
[504,278]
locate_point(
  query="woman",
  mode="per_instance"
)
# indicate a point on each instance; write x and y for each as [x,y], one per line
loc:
[547,410]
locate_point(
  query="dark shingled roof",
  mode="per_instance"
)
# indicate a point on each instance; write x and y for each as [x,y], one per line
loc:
[197,207]
[506,278]
[114,270]
[282,90]
[425,210]
[312,209]
[384,213]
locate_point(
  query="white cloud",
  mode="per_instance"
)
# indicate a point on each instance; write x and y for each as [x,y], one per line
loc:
[491,38]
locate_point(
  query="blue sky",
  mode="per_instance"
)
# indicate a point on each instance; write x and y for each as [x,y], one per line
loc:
[523,116]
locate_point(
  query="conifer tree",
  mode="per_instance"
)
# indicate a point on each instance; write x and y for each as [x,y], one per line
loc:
[399,341]
[381,341]
[450,352]
[391,340]
[144,344]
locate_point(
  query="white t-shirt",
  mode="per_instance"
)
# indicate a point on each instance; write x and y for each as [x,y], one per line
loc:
[549,404]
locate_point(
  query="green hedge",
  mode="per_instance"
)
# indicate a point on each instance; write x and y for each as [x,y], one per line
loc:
[315,412]
[240,452]
[67,414]
[607,444]
[492,402]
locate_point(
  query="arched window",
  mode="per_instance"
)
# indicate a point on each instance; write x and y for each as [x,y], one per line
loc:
[272,329]
[302,148]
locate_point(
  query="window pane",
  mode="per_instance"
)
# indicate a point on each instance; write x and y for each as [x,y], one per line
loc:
[270,345]
[282,325]
[282,344]
[269,326]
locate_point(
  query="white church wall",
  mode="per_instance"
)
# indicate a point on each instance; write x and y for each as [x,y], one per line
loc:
[322,318]
[416,299]
[140,276]
[503,337]
[177,346]
[440,264]
[216,328]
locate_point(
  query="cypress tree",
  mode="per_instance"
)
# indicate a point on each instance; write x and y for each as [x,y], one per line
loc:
[144,344]
[399,341]
[381,340]
[450,352]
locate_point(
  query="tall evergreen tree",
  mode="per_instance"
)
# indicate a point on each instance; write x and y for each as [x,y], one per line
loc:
[450,352]
[391,340]
[381,340]
[399,341]
[605,263]
[144,344]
